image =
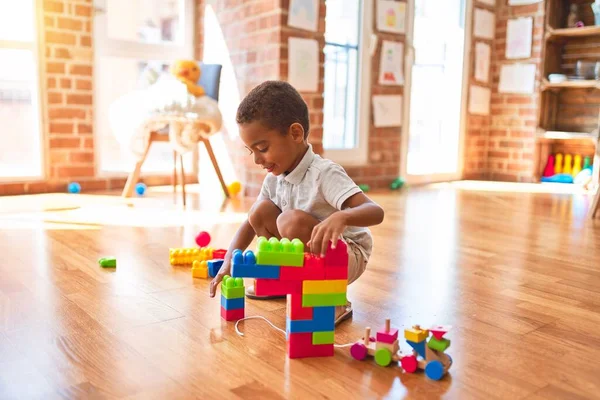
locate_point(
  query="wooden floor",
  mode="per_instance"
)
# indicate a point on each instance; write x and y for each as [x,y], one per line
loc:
[517,274]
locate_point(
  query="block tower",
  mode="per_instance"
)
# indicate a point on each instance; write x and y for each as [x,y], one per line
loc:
[232,298]
[313,285]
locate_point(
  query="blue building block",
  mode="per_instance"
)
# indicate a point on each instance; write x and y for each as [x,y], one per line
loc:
[419,347]
[213,267]
[232,304]
[323,321]
[243,265]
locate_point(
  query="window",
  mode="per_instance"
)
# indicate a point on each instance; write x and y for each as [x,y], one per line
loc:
[136,41]
[345,119]
[20,139]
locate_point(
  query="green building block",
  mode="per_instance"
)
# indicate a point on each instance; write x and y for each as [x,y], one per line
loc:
[108,262]
[284,252]
[438,345]
[233,288]
[323,300]
[323,337]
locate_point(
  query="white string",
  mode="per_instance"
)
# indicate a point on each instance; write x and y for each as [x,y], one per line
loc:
[276,328]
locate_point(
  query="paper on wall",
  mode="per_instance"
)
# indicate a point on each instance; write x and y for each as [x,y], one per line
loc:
[304,14]
[387,110]
[522,2]
[517,78]
[392,63]
[488,2]
[303,70]
[485,24]
[391,16]
[518,38]
[479,100]
[482,62]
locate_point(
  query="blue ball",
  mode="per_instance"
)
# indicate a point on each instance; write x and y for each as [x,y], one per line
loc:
[74,187]
[140,189]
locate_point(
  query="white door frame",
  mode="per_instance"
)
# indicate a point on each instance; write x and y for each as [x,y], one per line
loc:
[408,62]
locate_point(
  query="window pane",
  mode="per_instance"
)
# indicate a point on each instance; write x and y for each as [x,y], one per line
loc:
[156,21]
[341,74]
[17,20]
[19,115]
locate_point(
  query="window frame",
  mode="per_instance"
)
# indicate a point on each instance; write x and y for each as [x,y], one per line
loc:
[39,101]
[358,155]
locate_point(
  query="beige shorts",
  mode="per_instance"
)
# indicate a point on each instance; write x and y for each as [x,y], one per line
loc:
[357,263]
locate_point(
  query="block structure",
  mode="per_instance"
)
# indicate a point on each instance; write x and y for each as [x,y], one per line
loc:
[313,286]
[232,298]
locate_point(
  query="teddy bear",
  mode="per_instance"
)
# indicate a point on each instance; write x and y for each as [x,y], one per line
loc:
[188,72]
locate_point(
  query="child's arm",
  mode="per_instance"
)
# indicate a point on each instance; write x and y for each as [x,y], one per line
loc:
[241,240]
[357,210]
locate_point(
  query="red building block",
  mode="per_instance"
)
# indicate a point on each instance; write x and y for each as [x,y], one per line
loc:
[232,315]
[299,345]
[272,287]
[337,257]
[313,269]
[219,254]
[295,311]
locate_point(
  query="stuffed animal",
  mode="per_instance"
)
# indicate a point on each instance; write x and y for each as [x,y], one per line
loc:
[188,72]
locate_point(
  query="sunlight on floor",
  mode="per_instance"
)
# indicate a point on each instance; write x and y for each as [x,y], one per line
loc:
[513,187]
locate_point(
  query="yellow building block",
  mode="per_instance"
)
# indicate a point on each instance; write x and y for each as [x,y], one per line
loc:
[186,256]
[416,334]
[324,287]
[200,269]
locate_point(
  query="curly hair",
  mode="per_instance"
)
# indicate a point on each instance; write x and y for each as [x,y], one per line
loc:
[277,105]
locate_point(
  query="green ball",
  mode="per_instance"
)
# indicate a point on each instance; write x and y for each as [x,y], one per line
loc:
[365,188]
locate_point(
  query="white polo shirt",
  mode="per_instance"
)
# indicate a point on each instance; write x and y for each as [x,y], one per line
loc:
[318,187]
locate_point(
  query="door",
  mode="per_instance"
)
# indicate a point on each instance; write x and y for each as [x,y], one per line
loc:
[437,45]
[135,41]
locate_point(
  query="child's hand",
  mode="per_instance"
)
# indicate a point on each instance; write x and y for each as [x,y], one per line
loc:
[225,270]
[330,229]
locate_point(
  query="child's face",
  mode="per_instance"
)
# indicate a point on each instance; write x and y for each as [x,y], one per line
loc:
[271,150]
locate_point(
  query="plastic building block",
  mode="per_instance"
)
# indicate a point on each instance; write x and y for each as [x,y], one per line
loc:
[337,257]
[295,309]
[314,269]
[324,287]
[419,347]
[300,345]
[416,334]
[323,300]
[219,254]
[439,331]
[323,320]
[213,267]
[284,252]
[232,315]
[387,335]
[243,265]
[268,287]
[323,337]
[200,269]
[232,288]
[438,345]
[232,304]
[108,262]
[186,256]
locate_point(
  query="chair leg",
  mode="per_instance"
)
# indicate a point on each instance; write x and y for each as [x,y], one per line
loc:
[213,159]
[134,176]
[174,172]
[182,178]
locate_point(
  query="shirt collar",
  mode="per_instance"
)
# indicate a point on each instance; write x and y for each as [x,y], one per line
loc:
[295,177]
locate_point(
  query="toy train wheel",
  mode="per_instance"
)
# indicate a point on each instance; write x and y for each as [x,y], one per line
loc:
[409,364]
[358,351]
[383,357]
[434,370]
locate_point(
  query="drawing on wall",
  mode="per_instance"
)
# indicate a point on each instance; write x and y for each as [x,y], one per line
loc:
[485,24]
[479,100]
[303,71]
[392,63]
[482,62]
[391,16]
[517,78]
[522,2]
[518,38]
[304,14]
[387,110]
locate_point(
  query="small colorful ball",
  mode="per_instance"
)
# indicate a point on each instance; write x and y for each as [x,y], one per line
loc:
[140,188]
[203,239]
[74,187]
[234,188]
[364,187]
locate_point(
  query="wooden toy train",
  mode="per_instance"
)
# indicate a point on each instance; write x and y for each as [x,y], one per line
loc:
[428,355]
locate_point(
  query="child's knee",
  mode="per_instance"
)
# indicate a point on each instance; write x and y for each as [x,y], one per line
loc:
[291,223]
[261,212]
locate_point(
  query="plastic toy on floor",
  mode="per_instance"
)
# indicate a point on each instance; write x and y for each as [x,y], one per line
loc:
[427,355]
[569,171]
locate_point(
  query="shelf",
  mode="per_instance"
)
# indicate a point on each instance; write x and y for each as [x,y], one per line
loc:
[572,32]
[589,84]
[542,136]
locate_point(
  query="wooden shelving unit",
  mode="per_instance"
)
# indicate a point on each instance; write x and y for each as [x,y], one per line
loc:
[569,114]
